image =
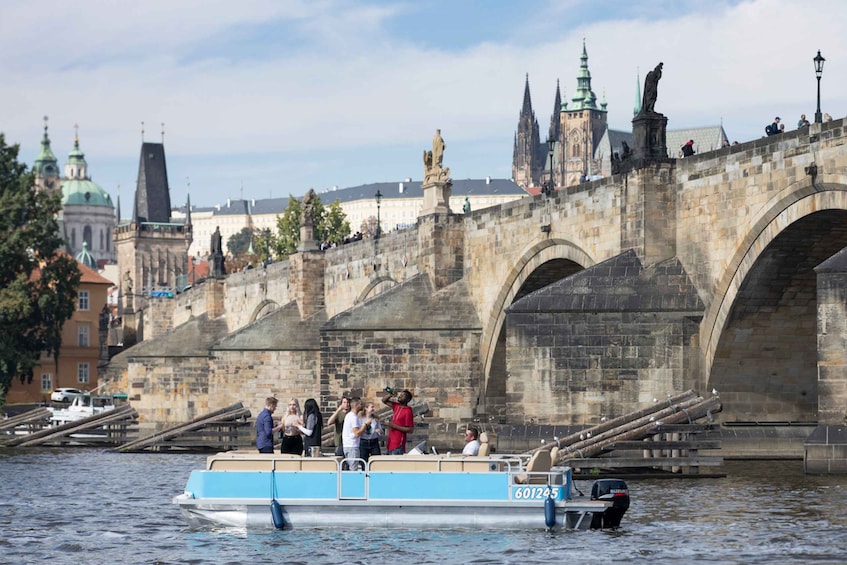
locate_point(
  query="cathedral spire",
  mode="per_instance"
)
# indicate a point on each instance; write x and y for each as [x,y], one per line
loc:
[636,109]
[555,120]
[585,97]
[526,157]
[527,101]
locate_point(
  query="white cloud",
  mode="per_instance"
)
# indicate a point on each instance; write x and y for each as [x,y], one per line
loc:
[328,78]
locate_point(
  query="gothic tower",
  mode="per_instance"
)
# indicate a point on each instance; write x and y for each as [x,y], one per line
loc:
[152,250]
[527,157]
[582,127]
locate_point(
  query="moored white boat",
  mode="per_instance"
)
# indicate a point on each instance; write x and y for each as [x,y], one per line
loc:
[417,491]
[83,406]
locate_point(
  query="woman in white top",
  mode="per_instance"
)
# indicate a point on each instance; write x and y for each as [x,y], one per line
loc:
[292,439]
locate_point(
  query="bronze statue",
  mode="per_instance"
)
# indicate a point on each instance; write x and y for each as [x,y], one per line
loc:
[216,244]
[651,86]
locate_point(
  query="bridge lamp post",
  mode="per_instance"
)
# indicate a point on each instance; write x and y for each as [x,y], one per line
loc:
[378,224]
[550,151]
[818,72]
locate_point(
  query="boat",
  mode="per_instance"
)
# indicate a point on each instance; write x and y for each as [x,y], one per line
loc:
[83,406]
[247,490]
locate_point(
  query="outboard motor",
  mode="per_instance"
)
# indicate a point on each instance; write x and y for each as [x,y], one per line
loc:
[617,492]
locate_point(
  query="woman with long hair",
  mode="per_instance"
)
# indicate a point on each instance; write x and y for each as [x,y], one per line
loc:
[313,428]
[292,440]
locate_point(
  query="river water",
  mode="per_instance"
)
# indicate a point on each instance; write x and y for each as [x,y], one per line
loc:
[88,506]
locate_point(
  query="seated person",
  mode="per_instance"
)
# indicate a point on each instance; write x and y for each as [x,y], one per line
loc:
[472,439]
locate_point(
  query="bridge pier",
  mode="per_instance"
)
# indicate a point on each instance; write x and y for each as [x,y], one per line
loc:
[826,447]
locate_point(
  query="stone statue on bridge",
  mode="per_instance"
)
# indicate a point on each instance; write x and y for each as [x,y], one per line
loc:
[434,172]
[651,89]
[308,210]
[217,256]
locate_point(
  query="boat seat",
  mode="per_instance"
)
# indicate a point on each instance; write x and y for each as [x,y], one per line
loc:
[484,446]
[536,470]
[554,453]
[249,461]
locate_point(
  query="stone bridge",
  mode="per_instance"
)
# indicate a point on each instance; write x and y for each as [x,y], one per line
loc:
[716,271]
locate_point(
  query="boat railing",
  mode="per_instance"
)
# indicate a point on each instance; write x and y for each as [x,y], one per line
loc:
[241,461]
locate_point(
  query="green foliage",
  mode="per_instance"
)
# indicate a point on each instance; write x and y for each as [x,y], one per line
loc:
[263,244]
[330,223]
[239,243]
[334,226]
[288,229]
[37,285]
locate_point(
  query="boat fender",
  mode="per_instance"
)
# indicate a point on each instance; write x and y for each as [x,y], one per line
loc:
[276,513]
[549,511]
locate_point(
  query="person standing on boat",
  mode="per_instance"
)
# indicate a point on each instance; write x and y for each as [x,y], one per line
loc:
[354,427]
[292,441]
[313,428]
[472,439]
[265,429]
[369,442]
[402,422]
[337,420]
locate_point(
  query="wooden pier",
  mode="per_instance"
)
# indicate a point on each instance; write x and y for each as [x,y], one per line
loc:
[222,430]
[105,429]
[665,438]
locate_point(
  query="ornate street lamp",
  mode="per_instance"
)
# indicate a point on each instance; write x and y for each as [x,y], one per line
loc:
[818,72]
[550,149]
[378,225]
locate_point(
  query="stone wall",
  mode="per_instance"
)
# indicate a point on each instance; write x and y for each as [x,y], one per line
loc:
[603,342]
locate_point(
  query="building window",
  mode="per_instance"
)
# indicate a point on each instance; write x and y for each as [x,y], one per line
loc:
[82,373]
[82,335]
[83,300]
[46,382]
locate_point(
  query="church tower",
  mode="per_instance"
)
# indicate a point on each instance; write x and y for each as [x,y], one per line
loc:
[87,210]
[527,157]
[46,166]
[583,125]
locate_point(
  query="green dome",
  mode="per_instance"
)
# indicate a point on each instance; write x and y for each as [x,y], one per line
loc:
[85,257]
[84,192]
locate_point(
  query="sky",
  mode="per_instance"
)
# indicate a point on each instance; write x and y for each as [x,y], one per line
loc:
[268,98]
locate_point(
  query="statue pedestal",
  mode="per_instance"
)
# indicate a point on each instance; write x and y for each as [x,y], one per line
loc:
[649,137]
[436,198]
[307,239]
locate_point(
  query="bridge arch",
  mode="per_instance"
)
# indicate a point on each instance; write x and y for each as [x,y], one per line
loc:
[539,265]
[759,333]
[262,309]
[374,287]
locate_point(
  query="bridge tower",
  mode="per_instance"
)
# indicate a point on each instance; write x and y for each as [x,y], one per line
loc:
[151,248]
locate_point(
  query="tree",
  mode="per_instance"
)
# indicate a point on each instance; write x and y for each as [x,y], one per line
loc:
[38,284]
[334,225]
[368,227]
[288,229]
[331,225]
[239,243]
